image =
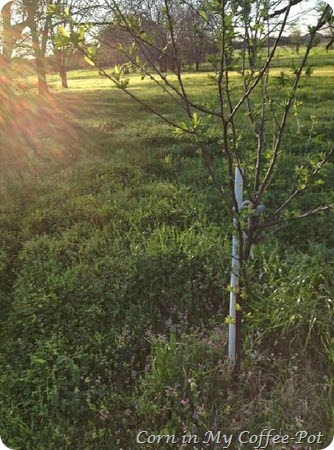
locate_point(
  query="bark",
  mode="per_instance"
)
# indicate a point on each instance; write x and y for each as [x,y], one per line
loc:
[63,77]
[39,51]
[61,67]
[43,88]
[11,33]
[7,39]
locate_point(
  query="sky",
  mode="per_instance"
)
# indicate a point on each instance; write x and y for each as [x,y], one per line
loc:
[306,13]
[331,2]
[310,2]
[2,3]
[298,10]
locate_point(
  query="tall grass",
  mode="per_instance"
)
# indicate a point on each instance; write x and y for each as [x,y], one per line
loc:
[114,262]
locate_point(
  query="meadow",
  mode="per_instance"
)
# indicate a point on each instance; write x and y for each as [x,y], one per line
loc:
[114,266]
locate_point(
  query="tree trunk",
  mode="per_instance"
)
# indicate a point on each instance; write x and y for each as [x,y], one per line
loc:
[7,36]
[238,339]
[63,77]
[38,48]
[43,87]
[61,68]
[10,33]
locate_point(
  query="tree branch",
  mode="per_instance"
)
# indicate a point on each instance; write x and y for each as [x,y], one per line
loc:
[299,191]
[273,163]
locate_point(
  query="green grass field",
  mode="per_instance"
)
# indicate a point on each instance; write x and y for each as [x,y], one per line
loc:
[114,266]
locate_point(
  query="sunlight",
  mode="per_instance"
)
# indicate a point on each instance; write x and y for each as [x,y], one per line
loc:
[3,3]
[34,129]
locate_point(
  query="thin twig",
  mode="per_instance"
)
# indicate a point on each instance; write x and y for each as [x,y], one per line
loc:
[273,163]
[263,70]
[299,191]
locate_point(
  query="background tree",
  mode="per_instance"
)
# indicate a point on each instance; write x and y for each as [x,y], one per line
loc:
[190,35]
[81,10]
[295,39]
[113,39]
[63,53]
[39,28]
[10,31]
[192,38]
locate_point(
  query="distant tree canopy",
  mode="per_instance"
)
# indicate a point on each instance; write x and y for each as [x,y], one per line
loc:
[185,34]
[192,37]
[192,41]
[114,38]
[295,38]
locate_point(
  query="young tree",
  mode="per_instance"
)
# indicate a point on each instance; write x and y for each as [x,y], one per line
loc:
[63,52]
[256,149]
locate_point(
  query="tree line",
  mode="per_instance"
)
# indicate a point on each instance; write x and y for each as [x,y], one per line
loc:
[30,29]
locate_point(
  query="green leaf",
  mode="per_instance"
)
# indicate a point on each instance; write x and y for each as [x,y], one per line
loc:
[117,69]
[63,32]
[203,14]
[89,60]
[91,52]
[123,84]
[132,49]
[196,120]
[62,41]
[229,320]
[37,360]
[52,10]
[82,32]
[169,160]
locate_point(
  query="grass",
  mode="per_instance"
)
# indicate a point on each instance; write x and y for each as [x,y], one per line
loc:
[114,262]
